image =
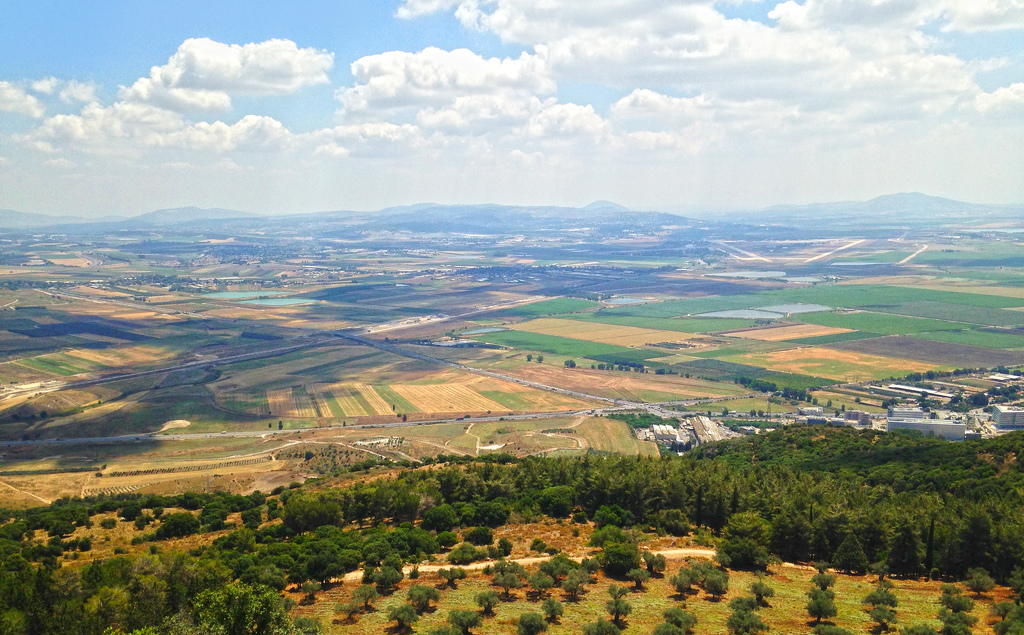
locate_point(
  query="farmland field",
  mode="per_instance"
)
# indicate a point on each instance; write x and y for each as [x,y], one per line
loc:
[597,332]
[878,322]
[990,338]
[684,325]
[536,342]
[786,332]
[550,307]
[945,353]
[834,364]
[611,435]
[966,314]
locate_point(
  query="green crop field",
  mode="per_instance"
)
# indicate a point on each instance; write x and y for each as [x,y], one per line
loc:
[988,339]
[527,341]
[550,307]
[955,313]
[883,323]
[834,295]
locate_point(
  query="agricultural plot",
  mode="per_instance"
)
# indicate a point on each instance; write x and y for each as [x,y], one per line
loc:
[785,332]
[441,397]
[989,338]
[945,353]
[611,435]
[550,307]
[602,333]
[882,323]
[977,315]
[684,325]
[834,364]
[623,384]
[537,342]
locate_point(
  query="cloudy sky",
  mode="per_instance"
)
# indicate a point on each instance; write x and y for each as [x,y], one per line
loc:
[123,107]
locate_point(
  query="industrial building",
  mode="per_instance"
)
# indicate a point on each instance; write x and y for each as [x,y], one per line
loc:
[948,428]
[857,417]
[811,411]
[918,419]
[1008,417]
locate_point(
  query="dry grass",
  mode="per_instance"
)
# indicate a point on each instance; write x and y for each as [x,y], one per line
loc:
[611,435]
[833,364]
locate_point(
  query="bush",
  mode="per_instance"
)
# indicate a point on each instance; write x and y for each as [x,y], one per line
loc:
[177,525]
[531,624]
[464,554]
[479,536]
[108,523]
[617,558]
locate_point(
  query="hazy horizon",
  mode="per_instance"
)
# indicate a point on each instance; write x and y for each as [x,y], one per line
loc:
[656,105]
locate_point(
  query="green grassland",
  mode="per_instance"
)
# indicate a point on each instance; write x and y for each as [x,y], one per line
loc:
[526,341]
[785,613]
[550,307]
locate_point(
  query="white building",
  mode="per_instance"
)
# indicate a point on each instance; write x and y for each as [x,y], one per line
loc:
[948,428]
[1008,417]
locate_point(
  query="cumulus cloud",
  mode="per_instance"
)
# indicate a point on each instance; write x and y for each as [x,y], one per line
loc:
[251,132]
[45,86]
[204,74]
[76,91]
[13,98]
[416,8]
[433,76]
[1002,100]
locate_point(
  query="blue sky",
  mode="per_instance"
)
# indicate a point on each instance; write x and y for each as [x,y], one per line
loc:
[653,103]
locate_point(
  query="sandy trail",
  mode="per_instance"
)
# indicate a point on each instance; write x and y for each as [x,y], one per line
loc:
[707,554]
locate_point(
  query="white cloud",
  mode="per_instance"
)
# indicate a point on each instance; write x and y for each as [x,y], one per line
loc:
[46,86]
[251,132]
[1002,100]
[76,91]
[416,8]
[14,99]
[204,74]
[59,162]
[984,15]
[432,77]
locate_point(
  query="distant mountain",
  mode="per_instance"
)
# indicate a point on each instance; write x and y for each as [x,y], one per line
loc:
[11,219]
[606,206]
[503,219]
[189,214]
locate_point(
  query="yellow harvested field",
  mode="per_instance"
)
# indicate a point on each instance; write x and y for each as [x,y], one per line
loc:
[633,386]
[379,406]
[119,356]
[442,397]
[103,293]
[786,332]
[833,363]
[319,400]
[281,402]
[603,333]
[346,400]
